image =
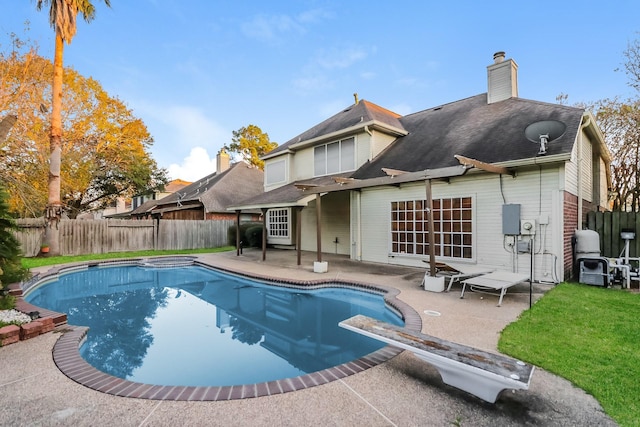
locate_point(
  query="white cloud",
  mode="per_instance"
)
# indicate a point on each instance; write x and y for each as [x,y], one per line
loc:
[340,58]
[196,165]
[312,83]
[183,137]
[270,28]
[275,28]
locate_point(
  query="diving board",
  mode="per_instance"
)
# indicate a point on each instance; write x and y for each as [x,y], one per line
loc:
[475,371]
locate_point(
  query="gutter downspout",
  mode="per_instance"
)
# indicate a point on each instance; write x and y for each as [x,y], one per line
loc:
[582,127]
[367,130]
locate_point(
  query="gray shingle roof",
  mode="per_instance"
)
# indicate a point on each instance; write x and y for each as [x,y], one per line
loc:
[290,194]
[360,113]
[218,191]
[491,133]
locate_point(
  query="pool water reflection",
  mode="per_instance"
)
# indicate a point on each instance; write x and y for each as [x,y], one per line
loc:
[192,326]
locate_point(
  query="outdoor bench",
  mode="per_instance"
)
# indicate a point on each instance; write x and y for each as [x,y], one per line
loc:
[475,371]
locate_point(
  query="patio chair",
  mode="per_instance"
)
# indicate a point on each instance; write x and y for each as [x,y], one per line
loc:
[456,272]
[495,281]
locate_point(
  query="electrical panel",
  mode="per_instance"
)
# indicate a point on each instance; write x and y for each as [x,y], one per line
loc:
[524,246]
[511,219]
[528,227]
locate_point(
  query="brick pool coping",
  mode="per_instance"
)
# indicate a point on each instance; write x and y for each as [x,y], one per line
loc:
[66,354]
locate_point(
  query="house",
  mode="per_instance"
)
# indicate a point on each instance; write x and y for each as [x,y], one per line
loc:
[149,199]
[143,204]
[209,197]
[509,181]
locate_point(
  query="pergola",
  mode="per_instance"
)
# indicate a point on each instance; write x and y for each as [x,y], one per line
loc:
[393,177]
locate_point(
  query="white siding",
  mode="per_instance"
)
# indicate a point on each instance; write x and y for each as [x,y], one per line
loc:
[587,172]
[379,142]
[288,159]
[538,193]
[335,224]
[302,165]
[602,182]
[586,168]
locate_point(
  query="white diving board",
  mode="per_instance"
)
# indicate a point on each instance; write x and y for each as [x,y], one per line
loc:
[475,371]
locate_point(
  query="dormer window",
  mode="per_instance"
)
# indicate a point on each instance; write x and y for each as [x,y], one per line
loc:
[335,157]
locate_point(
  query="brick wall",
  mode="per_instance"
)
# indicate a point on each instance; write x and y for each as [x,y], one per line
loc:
[232,216]
[571,225]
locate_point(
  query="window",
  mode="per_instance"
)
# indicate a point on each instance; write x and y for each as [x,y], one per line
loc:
[278,222]
[339,156]
[275,172]
[453,227]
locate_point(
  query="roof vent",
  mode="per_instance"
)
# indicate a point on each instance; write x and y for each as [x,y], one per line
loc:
[498,57]
[544,132]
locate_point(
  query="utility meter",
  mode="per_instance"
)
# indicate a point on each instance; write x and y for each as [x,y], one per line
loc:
[527,227]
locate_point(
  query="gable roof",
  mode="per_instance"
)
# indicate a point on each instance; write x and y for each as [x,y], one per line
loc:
[491,133]
[349,121]
[217,191]
[291,194]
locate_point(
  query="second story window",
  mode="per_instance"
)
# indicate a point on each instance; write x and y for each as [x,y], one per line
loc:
[275,172]
[339,156]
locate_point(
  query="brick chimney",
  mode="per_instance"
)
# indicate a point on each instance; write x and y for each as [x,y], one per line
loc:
[502,77]
[222,161]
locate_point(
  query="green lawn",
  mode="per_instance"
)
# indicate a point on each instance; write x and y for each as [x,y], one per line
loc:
[44,261]
[588,335]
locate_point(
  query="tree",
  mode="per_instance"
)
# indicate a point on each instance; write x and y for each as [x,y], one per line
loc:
[632,63]
[620,125]
[62,17]
[250,143]
[105,146]
[11,269]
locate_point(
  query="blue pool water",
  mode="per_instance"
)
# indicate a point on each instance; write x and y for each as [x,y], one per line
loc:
[193,326]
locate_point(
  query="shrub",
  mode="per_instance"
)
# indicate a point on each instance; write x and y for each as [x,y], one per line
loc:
[253,236]
[11,269]
[7,302]
[231,233]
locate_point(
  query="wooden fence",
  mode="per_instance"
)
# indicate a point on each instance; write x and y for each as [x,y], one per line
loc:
[609,225]
[79,237]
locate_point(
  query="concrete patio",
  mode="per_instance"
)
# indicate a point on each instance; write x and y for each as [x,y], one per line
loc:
[403,391]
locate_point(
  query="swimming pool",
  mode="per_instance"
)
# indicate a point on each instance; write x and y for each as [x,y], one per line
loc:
[194,326]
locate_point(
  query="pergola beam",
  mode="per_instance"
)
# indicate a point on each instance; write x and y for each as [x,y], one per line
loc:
[487,167]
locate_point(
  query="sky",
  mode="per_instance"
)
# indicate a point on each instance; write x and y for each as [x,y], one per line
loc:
[196,70]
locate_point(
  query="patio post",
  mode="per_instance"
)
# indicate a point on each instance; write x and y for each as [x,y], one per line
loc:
[319,227]
[430,227]
[264,233]
[238,232]
[299,233]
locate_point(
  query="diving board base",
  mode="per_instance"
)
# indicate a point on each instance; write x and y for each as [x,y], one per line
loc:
[475,371]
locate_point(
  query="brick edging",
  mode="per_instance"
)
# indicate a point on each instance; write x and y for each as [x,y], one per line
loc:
[66,355]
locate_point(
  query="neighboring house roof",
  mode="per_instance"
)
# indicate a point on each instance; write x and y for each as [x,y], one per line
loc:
[350,120]
[218,191]
[175,185]
[491,133]
[144,208]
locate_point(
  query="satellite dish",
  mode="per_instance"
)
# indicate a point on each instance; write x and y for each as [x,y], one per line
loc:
[544,132]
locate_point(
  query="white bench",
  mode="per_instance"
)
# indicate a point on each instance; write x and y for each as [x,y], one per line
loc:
[475,371]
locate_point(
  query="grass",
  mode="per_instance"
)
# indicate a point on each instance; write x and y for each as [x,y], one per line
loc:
[44,261]
[588,335]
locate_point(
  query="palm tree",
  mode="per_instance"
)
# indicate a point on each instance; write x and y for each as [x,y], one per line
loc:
[62,17]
